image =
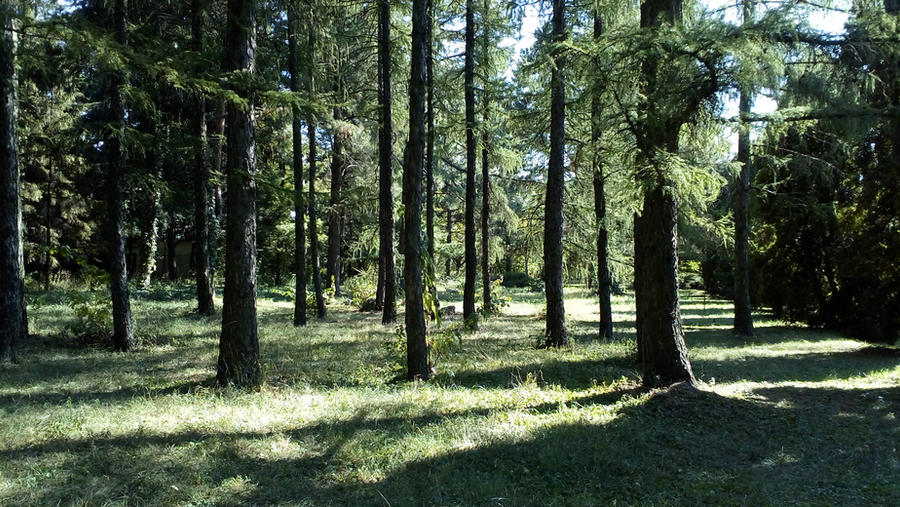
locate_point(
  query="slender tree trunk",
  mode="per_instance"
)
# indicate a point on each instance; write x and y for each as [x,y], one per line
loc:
[216,134]
[171,243]
[297,162]
[556,333]
[449,261]
[416,345]
[429,147]
[336,210]
[604,284]
[311,127]
[123,336]
[387,274]
[743,319]
[239,342]
[205,304]
[48,229]
[471,163]
[485,221]
[12,297]
[660,336]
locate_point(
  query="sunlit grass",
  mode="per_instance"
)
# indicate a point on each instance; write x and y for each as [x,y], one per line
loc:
[789,416]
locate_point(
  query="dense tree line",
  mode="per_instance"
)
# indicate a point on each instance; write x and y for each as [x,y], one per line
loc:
[192,138]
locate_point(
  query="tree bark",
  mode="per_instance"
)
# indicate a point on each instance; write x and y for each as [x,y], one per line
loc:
[205,304]
[429,147]
[336,211]
[311,127]
[743,318]
[297,162]
[485,220]
[604,283]
[238,362]
[471,162]
[123,336]
[416,345]
[448,263]
[387,295]
[556,333]
[661,338]
[48,226]
[12,297]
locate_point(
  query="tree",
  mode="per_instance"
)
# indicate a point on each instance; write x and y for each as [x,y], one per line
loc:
[471,166]
[556,333]
[123,335]
[311,127]
[660,335]
[604,283]
[297,163]
[239,342]
[429,147]
[205,304]
[386,294]
[413,162]
[12,300]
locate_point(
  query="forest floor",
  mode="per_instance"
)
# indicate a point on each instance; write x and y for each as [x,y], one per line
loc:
[791,416]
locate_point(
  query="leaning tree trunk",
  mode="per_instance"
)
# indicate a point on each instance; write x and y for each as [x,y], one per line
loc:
[416,345]
[604,283]
[743,318]
[556,333]
[311,127]
[123,336]
[387,294]
[205,304]
[12,299]
[660,336]
[239,342]
[471,163]
[297,162]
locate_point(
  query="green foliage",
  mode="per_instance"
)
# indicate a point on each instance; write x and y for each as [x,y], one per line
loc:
[92,312]
[517,279]
[361,287]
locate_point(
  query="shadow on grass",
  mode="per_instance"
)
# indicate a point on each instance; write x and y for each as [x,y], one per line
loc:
[796,367]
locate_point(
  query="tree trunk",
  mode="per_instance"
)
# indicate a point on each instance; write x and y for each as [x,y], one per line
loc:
[205,304]
[429,147]
[416,345]
[216,133]
[743,319]
[387,296]
[556,334]
[336,211]
[660,336]
[123,336]
[449,261]
[171,269]
[485,221]
[12,297]
[48,229]
[297,162]
[239,342]
[604,284]
[311,127]
[471,161]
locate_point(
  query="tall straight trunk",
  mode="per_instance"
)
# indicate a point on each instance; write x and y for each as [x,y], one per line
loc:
[429,147]
[335,209]
[416,345]
[387,295]
[48,226]
[743,318]
[297,162]
[449,261]
[12,297]
[205,304]
[471,167]
[239,341]
[556,333]
[485,222]
[123,336]
[604,283]
[311,127]
[216,133]
[661,338]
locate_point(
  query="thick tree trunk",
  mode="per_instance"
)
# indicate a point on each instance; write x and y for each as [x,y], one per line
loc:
[311,127]
[12,298]
[239,342]
[297,162]
[336,210]
[485,222]
[604,284]
[416,345]
[660,336]
[556,333]
[205,304]
[471,166]
[387,295]
[429,147]
[123,336]
[743,318]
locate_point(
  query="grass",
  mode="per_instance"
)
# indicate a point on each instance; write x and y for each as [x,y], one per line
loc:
[791,416]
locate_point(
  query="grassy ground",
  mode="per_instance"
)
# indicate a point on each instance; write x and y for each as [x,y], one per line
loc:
[792,416]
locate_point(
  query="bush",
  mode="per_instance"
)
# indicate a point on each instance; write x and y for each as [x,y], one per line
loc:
[517,279]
